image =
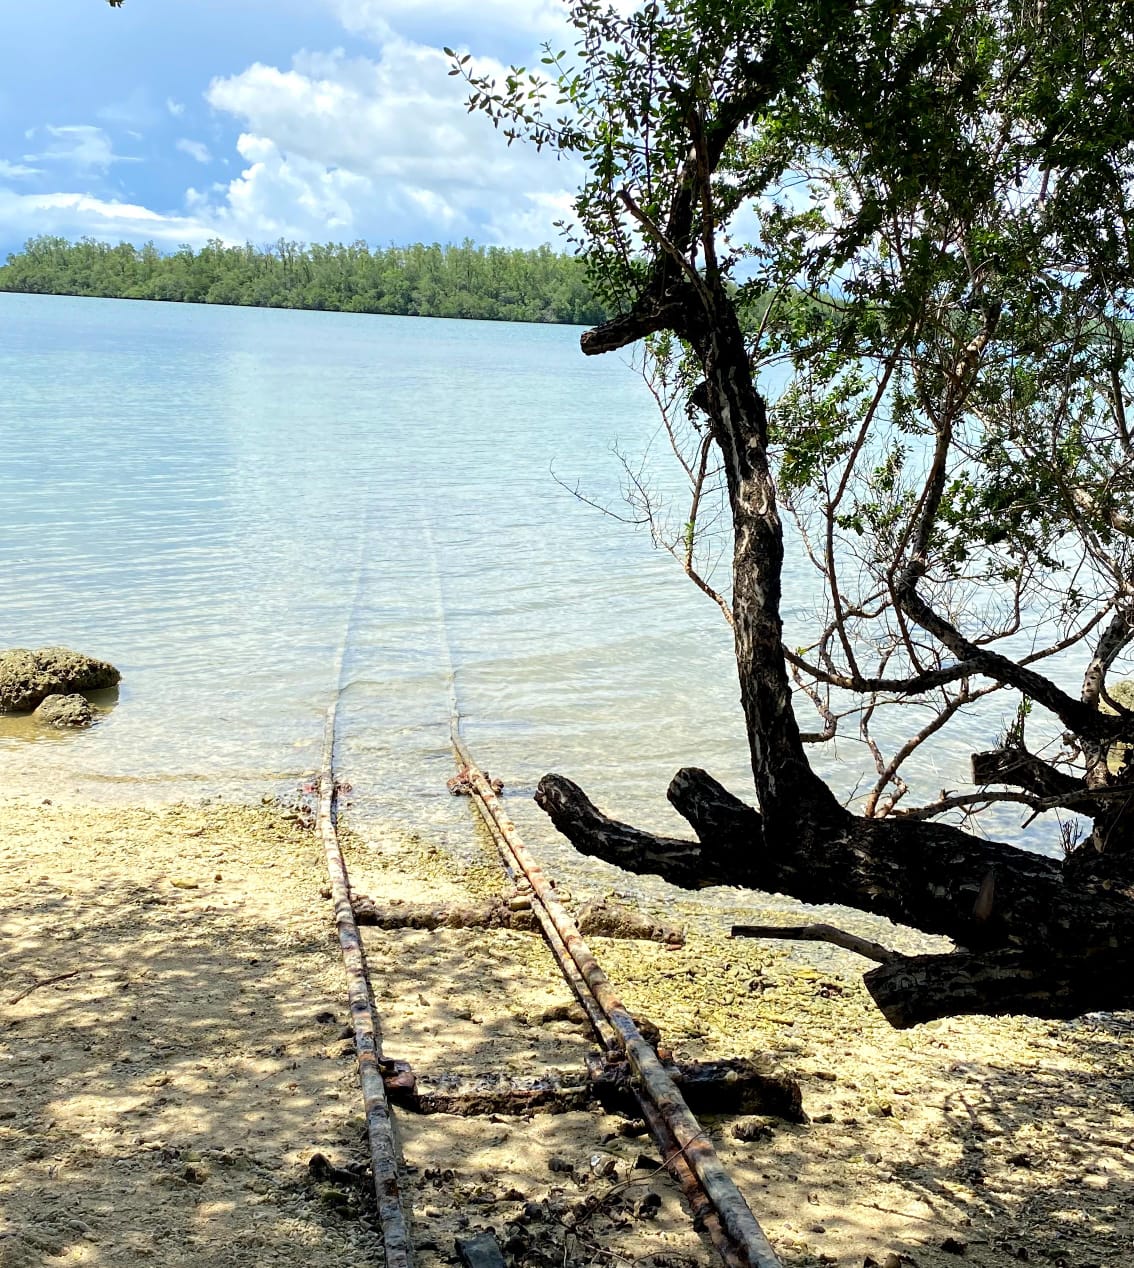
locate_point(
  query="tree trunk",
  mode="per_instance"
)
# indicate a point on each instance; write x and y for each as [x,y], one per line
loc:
[1041,937]
[787,788]
[913,989]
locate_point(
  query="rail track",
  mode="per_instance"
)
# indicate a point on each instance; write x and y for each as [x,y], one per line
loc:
[717,1208]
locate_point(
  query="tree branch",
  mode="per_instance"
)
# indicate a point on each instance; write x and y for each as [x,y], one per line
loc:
[685,863]
[1117,635]
[1018,766]
[914,989]
[819,933]
[1074,714]
[930,876]
[661,241]
[919,683]
[647,317]
[1042,946]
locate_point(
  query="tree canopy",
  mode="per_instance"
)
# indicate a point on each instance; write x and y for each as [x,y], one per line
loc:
[934,201]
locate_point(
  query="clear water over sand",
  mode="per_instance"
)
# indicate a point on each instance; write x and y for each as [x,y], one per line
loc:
[219,500]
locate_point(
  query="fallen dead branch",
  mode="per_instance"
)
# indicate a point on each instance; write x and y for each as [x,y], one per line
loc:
[819,933]
[47,981]
[734,1086]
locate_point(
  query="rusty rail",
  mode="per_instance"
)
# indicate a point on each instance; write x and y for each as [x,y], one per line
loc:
[717,1204]
[367,1032]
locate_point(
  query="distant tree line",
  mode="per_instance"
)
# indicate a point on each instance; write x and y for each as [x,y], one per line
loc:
[491,283]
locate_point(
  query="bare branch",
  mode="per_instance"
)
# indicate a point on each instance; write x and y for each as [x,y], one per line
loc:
[922,682]
[598,506]
[830,722]
[1074,714]
[819,933]
[1117,635]
[890,773]
[1086,802]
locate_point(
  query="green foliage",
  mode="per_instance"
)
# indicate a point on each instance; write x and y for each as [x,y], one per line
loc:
[1014,732]
[942,195]
[492,283]
[969,166]
[921,214]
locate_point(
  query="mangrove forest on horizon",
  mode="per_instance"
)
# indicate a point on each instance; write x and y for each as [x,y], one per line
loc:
[469,281]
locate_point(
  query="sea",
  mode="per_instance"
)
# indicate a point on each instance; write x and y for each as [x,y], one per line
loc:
[254,512]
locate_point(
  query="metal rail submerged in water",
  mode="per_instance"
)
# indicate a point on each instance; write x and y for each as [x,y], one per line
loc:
[716,1204]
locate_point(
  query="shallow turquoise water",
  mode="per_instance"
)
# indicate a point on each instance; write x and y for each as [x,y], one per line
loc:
[219,500]
[210,497]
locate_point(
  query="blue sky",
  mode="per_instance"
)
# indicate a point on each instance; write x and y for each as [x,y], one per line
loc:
[250,120]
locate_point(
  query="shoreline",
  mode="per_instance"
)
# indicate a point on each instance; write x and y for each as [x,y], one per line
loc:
[165,1097]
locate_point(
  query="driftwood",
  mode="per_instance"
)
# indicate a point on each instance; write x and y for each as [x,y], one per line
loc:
[495,914]
[492,1093]
[819,933]
[600,918]
[736,1086]
[603,918]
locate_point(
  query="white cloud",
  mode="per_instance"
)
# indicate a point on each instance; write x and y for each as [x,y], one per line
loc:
[195,149]
[544,19]
[290,196]
[13,171]
[134,110]
[534,220]
[381,148]
[73,214]
[364,17]
[332,148]
[82,146]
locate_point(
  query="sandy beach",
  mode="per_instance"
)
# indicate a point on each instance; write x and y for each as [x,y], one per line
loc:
[173,1054]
